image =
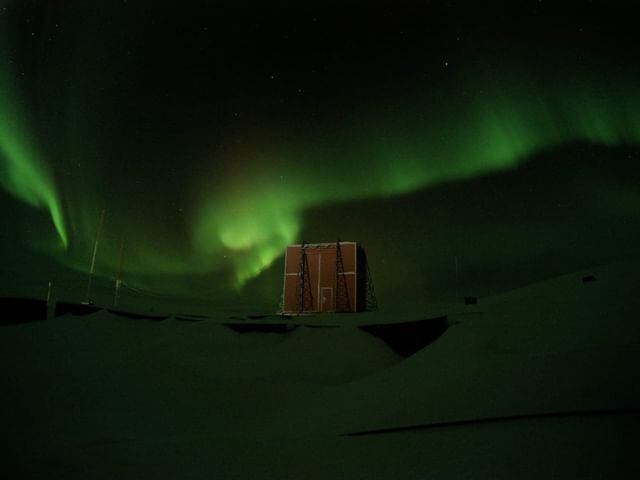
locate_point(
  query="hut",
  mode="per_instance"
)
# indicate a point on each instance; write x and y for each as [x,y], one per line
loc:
[326,277]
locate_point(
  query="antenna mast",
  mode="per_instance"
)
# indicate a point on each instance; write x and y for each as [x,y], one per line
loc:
[93,257]
[119,275]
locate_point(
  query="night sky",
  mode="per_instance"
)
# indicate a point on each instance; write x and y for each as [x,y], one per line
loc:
[500,138]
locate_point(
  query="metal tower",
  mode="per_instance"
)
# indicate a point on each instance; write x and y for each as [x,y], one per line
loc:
[305,299]
[342,302]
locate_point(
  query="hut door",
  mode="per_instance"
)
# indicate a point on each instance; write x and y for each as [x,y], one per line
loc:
[326,299]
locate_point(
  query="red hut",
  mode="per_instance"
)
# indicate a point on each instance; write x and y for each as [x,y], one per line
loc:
[326,277]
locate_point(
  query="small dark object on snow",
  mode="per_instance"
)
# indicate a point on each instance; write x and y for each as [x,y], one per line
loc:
[589,278]
[76,309]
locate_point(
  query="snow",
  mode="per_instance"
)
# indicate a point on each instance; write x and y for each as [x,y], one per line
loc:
[105,396]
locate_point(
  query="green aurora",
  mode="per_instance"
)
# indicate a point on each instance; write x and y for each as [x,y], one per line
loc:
[23,172]
[398,154]
[240,207]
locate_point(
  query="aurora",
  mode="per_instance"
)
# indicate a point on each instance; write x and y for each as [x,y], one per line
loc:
[23,170]
[482,136]
[319,238]
[195,180]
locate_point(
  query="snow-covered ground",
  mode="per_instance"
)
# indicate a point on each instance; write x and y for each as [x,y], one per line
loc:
[105,396]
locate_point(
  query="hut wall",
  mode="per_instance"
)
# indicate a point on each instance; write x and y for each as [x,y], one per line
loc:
[323,290]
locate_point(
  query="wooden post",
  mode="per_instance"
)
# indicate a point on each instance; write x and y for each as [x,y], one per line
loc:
[119,275]
[93,257]
[49,300]
[455,259]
